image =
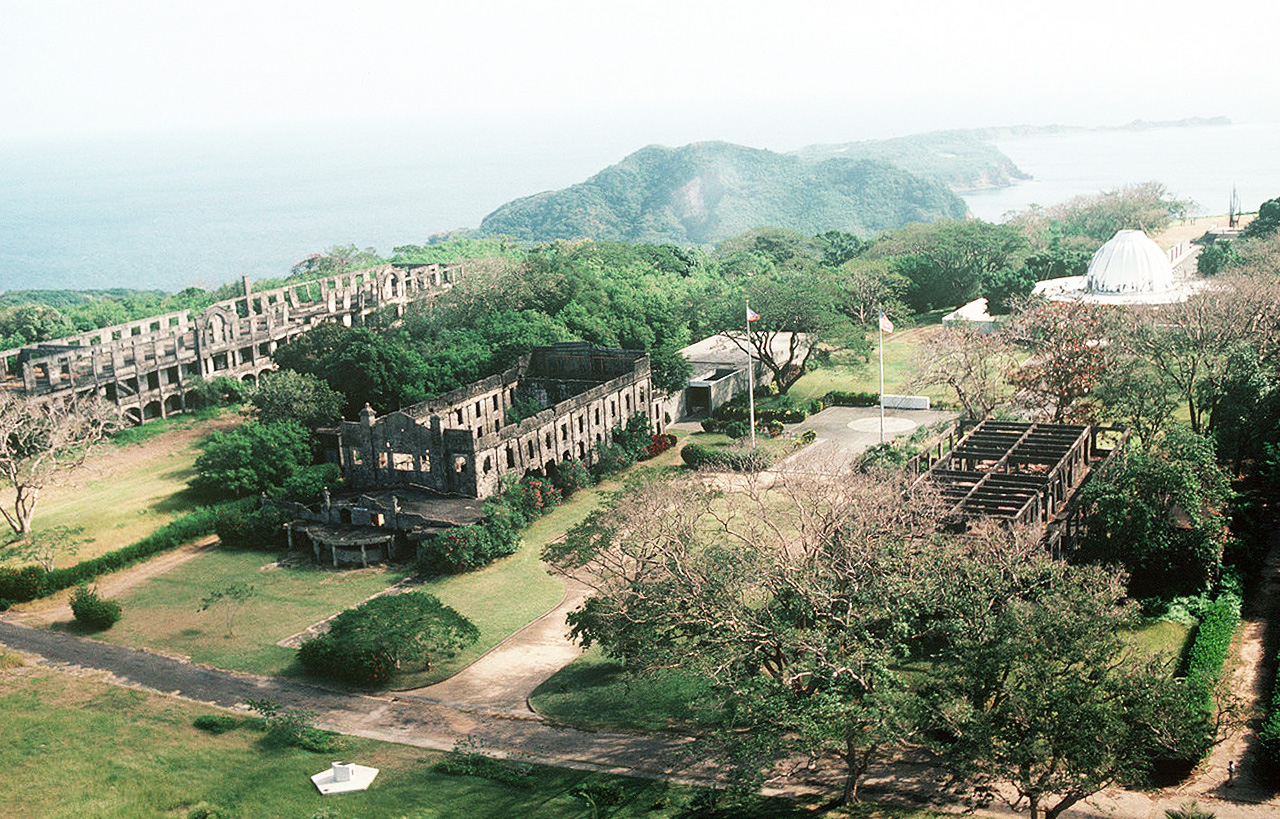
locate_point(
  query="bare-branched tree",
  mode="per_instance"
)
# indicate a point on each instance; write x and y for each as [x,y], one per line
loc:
[42,439]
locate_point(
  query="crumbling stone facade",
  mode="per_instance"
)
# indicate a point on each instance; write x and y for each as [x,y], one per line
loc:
[463,442]
[146,367]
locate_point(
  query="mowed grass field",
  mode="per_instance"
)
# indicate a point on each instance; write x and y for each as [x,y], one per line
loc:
[75,746]
[124,491]
[163,613]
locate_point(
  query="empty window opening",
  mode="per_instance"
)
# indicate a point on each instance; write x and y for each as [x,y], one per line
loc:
[402,461]
[459,463]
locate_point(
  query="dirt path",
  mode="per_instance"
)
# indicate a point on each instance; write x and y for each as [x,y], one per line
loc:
[1248,686]
[504,677]
[54,609]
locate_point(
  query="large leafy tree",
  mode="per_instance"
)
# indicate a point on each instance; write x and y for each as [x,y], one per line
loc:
[252,458]
[290,396]
[1067,358]
[366,366]
[368,644]
[949,262]
[1159,512]
[799,320]
[969,362]
[786,599]
[42,439]
[1037,697]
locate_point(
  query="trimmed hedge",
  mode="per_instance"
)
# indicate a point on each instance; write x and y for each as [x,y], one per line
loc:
[697,456]
[1203,662]
[33,582]
[839,398]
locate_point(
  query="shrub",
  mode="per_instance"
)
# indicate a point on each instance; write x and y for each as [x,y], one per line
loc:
[737,429]
[808,437]
[92,610]
[459,549]
[1212,642]
[772,428]
[203,810]
[215,723]
[660,444]
[572,475]
[839,398]
[697,456]
[710,425]
[21,585]
[611,458]
[466,760]
[261,528]
[369,643]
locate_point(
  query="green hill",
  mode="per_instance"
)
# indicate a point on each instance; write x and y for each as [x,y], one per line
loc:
[962,160]
[703,193]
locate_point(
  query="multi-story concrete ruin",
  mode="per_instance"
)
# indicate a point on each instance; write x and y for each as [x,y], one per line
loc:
[147,367]
[463,442]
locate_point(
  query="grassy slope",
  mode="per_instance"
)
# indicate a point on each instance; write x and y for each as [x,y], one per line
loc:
[163,613]
[80,747]
[126,490]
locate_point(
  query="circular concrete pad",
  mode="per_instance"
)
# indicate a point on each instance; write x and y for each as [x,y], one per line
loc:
[894,425]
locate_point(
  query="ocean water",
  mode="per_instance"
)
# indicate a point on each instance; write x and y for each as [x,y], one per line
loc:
[1198,163]
[171,212]
[168,213]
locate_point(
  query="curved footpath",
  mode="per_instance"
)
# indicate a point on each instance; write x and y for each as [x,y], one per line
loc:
[420,721]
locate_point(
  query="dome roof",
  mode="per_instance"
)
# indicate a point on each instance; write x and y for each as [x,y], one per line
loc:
[1130,263]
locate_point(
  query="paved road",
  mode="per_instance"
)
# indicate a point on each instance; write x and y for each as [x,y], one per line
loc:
[411,720]
[844,433]
[421,722]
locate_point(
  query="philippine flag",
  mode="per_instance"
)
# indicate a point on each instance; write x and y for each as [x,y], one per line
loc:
[885,324]
[752,315]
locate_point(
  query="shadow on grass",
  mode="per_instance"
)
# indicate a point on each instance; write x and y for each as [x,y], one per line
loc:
[596,692]
[183,501]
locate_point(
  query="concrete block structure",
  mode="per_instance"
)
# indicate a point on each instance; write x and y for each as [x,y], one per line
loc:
[146,367]
[463,442]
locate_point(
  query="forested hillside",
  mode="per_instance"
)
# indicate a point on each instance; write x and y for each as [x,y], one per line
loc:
[962,160]
[704,193]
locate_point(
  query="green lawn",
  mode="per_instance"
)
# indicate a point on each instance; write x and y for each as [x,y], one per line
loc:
[80,747]
[162,614]
[595,692]
[127,490]
[900,349]
[1160,637]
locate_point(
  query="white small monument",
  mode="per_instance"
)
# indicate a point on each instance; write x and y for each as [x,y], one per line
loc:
[344,777]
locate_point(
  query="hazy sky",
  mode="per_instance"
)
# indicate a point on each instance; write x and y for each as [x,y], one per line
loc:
[768,74]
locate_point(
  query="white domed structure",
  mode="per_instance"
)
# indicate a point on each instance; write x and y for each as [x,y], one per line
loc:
[1130,263]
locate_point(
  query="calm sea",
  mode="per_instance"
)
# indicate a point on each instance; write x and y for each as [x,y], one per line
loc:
[174,212]
[1201,164]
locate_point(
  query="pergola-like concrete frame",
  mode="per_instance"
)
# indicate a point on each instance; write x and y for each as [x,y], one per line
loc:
[1017,471]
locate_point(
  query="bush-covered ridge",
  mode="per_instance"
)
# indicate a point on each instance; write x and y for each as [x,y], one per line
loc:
[706,192]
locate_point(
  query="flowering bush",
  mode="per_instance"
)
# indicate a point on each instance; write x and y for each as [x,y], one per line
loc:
[660,444]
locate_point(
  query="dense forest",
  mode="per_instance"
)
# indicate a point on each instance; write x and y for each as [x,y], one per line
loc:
[705,193]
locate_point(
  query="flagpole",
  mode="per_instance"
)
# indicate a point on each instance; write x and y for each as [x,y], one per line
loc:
[881,328]
[751,366]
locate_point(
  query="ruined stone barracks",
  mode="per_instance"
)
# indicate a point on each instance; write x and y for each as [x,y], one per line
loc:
[463,442]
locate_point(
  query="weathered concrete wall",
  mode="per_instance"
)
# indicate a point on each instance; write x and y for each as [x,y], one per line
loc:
[146,367]
[460,443]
